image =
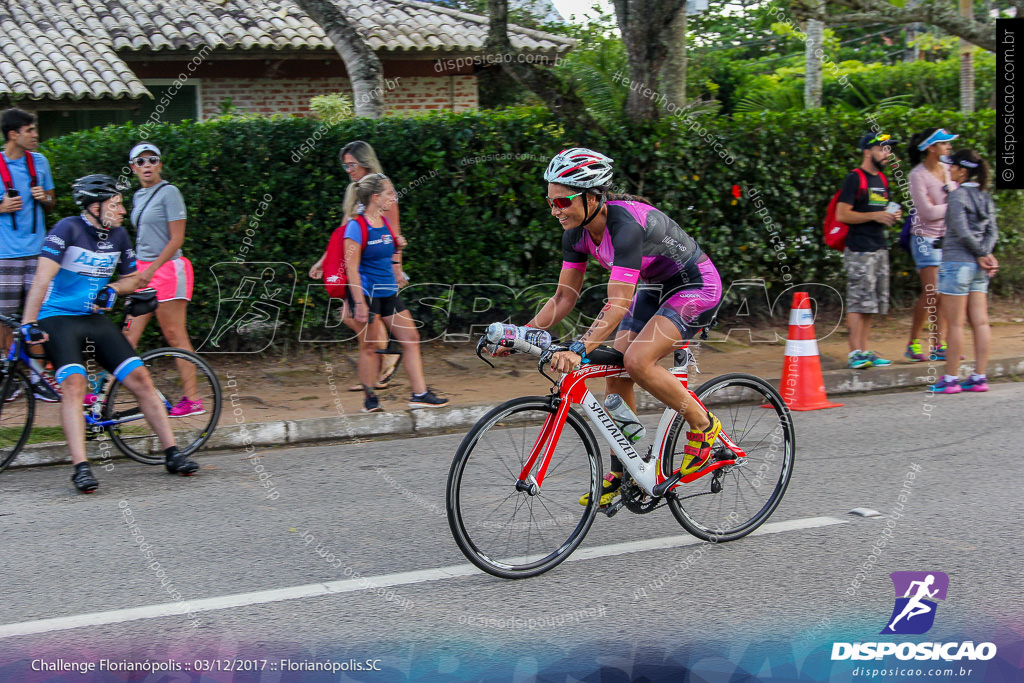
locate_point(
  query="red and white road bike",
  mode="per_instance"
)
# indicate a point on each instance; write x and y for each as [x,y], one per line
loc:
[516,480]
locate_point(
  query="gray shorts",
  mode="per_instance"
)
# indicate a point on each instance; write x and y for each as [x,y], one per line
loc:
[16,276]
[867,281]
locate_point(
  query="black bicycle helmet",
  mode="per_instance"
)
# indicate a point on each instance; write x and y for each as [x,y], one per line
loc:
[93,188]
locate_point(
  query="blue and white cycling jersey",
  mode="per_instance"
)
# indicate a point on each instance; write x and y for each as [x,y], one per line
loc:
[87,263]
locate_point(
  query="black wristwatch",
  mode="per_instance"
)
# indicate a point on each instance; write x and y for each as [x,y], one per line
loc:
[579,348]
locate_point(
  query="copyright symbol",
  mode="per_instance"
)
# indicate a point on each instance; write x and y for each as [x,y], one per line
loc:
[1007,174]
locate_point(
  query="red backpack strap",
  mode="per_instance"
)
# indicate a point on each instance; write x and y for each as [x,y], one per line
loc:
[361,220]
[885,181]
[31,163]
[5,173]
[863,181]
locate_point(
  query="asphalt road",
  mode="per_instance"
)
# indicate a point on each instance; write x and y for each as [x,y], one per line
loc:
[242,556]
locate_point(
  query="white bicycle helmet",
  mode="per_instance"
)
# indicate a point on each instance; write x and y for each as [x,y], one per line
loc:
[579,167]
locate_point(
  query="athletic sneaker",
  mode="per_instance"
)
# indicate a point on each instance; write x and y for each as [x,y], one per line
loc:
[372,405]
[914,352]
[975,383]
[876,360]
[426,400]
[697,452]
[44,391]
[938,352]
[83,479]
[944,386]
[179,463]
[187,407]
[13,394]
[611,487]
[857,360]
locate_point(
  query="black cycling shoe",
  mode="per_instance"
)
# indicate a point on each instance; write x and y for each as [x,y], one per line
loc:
[83,479]
[179,463]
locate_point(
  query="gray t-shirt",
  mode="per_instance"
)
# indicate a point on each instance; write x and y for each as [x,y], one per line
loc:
[153,228]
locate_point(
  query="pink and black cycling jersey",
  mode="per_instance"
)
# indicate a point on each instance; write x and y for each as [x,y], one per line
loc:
[640,243]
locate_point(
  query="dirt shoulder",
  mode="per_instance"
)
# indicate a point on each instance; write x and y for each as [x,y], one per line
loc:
[310,384]
[314,382]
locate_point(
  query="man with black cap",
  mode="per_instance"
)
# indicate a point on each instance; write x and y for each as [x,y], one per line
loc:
[863,206]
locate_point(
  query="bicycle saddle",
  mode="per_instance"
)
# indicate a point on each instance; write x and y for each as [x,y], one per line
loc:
[605,355]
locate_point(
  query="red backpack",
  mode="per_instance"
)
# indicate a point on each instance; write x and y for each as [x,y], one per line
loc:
[335,272]
[835,230]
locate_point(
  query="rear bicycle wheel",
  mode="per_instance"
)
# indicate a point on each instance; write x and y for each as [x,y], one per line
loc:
[734,500]
[17,410]
[134,436]
[505,531]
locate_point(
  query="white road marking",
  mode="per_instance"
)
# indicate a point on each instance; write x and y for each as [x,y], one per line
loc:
[313,590]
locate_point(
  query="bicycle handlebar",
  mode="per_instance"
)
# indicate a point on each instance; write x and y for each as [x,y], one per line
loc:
[10,321]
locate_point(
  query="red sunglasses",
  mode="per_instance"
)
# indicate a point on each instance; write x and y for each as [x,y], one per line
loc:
[562,202]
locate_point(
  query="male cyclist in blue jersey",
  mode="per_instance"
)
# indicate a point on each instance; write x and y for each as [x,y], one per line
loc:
[71,287]
[661,291]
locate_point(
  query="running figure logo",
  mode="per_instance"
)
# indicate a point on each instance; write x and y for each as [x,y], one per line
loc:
[916,595]
[256,294]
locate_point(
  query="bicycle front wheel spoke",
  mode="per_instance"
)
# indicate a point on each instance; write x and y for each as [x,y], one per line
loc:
[508,532]
[178,376]
[736,499]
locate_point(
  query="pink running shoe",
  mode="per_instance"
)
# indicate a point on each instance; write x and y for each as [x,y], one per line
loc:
[187,407]
[975,383]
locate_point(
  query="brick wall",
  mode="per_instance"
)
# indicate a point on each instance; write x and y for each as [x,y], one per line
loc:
[403,94]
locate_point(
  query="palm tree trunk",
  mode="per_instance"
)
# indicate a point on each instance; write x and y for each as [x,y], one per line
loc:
[966,64]
[812,61]
[365,70]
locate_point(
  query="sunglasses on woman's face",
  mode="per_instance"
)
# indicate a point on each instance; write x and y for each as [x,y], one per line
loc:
[142,161]
[562,202]
[349,166]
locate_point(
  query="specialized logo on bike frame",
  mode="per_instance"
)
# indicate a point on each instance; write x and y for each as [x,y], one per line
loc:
[250,298]
[916,595]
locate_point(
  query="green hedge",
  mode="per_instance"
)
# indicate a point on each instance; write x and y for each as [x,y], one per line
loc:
[929,84]
[472,193]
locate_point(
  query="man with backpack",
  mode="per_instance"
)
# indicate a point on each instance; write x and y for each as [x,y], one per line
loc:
[27,198]
[862,205]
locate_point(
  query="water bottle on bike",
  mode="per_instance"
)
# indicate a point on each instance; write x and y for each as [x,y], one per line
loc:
[625,418]
[509,334]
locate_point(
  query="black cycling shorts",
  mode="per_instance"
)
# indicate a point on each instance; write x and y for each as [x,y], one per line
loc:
[72,335]
[384,306]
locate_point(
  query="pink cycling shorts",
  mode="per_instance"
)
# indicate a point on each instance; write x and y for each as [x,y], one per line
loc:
[173,280]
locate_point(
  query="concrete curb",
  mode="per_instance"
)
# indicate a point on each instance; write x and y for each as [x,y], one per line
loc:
[280,432]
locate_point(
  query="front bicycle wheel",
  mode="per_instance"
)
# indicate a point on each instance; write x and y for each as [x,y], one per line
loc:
[173,372]
[734,500]
[17,410]
[508,532]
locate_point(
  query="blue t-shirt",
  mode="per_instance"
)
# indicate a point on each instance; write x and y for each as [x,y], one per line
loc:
[375,265]
[87,261]
[23,242]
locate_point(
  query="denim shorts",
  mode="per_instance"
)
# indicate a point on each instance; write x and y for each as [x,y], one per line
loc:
[959,278]
[924,253]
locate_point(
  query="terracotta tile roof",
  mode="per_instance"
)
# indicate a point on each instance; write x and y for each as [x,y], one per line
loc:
[69,48]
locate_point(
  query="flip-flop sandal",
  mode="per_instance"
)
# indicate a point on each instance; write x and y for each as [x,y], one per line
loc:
[385,379]
[379,386]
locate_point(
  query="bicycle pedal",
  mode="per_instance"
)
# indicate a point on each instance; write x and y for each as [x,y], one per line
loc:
[613,509]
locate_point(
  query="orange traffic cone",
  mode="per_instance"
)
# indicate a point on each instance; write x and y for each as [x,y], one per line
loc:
[802,386]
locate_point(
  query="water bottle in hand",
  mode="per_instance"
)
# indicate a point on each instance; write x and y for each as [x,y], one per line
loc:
[498,332]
